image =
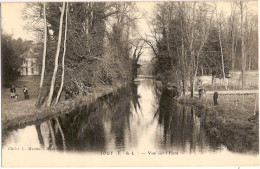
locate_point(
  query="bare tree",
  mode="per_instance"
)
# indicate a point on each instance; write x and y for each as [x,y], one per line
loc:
[220,41]
[241,5]
[63,57]
[49,100]
[38,102]
[136,56]
[233,33]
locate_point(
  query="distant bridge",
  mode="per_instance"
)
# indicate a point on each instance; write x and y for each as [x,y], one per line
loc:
[145,76]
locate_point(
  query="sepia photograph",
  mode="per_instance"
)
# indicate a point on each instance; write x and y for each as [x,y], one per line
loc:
[129,83]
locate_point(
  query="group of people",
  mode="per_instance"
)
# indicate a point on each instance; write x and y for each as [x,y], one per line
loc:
[14,95]
[202,91]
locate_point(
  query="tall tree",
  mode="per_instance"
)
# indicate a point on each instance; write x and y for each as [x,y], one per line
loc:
[243,65]
[11,58]
[49,100]
[220,42]
[233,34]
[38,102]
[136,56]
[63,56]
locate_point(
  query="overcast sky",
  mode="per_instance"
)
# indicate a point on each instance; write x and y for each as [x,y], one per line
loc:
[12,22]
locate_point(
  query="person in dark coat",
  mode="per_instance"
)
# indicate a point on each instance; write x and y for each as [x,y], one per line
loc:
[215,98]
[200,92]
[12,92]
[25,92]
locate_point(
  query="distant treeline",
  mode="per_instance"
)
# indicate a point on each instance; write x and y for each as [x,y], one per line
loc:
[196,38]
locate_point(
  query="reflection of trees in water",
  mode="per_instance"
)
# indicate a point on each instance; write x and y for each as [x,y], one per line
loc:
[121,108]
[135,97]
[78,130]
[120,117]
[39,133]
[181,128]
[83,129]
[157,92]
[54,134]
[60,131]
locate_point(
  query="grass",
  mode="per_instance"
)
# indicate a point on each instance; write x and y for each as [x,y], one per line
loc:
[228,122]
[12,108]
[230,87]
[17,113]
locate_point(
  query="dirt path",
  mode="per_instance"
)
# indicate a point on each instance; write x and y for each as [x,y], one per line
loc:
[229,92]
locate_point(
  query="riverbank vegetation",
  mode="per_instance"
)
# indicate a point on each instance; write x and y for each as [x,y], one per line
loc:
[85,45]
[20,112]
[11,52]
[233,122]
[192,39]
[87,49]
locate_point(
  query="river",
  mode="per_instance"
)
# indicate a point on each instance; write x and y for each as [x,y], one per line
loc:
[140,120]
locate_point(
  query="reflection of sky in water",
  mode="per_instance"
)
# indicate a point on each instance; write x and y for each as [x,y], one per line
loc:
[21,137]
[25,138]
[142,125]
[120,124]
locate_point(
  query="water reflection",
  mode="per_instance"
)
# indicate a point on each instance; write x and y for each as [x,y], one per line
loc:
[142,117]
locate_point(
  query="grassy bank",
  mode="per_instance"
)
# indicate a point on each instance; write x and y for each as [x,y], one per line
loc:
[229,121]
[18,113]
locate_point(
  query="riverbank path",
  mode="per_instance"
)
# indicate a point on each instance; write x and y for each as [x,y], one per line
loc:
[229,92]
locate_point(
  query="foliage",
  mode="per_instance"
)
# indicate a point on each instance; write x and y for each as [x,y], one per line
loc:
[98,43]
[187,39]
[11,52]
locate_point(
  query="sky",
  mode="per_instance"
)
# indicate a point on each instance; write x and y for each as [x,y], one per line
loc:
[12,22]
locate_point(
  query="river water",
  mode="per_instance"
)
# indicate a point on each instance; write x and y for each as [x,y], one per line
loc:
[139,119]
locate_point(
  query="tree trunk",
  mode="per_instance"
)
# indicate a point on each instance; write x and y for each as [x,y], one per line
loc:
[233,36]
[183,57]
[63,57]
[53,139]
[39,133]
[60,129]
[242,53]
[233,51]
[134,69]
[249,63]
[56,59]
[191,84]
[222,56]
[38,102]
[220,44]
[192,51]
[256,102]
[242,46]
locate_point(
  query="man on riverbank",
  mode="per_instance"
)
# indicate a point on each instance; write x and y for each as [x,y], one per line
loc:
[12,92]
[215,98]
[200,92]
[25,92]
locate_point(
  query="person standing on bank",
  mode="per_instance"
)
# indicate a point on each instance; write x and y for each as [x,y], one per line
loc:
[215,98]
[200,92]
[12,92]
[25,92]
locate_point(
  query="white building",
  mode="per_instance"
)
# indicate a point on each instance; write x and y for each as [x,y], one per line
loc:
[30,65]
